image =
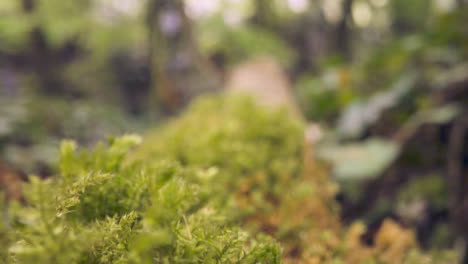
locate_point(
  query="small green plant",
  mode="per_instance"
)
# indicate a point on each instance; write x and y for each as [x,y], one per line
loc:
[212,186]
[236,144]
[98,210]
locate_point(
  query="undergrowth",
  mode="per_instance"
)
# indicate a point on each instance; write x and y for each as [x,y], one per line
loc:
[98,210]
[226,182]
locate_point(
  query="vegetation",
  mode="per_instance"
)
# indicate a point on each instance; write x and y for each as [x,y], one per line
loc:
[98,210]
[179,198]
[382,84]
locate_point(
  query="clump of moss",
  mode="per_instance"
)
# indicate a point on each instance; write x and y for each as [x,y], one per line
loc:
[212,186]
[243,149]
[98,210]
[256,162]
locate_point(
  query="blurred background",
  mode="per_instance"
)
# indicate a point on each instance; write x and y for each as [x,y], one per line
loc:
[386,80]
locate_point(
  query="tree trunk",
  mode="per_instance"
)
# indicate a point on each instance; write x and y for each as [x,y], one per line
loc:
[343,34]
[461,3]
[264,14]
[41,58]
[178,70]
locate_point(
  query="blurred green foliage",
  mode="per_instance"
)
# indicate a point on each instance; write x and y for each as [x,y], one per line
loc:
[237,44]
[431,189]
[32,129]
[60,21]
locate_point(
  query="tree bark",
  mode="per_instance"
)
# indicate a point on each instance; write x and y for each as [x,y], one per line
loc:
[343,37]
[178,69]
[264,14]
[41,58]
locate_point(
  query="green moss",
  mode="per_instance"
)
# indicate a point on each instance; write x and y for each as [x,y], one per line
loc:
[205,188]
[101,211]
[233,141]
